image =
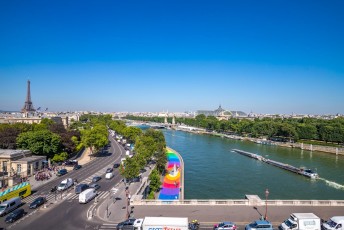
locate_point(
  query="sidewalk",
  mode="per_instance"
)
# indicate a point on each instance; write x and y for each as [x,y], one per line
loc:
[83,159]
[116,208]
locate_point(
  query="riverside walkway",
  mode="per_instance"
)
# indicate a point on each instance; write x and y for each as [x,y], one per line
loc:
[171,187]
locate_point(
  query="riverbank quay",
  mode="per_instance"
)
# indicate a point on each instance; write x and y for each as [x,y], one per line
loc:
[302,146]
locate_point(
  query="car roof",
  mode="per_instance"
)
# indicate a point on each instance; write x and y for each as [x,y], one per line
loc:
[227,222]
[18,210]
[261,222]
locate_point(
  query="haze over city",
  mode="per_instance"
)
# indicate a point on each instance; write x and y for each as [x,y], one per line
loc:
[265,57]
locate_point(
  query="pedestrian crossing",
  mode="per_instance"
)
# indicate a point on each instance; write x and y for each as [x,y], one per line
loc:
[72,195]
[67,196]
[100,195]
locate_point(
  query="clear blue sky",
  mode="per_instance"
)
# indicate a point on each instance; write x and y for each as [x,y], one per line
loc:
[265,56]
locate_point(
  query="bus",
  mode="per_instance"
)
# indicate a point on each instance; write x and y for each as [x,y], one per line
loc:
[21,190]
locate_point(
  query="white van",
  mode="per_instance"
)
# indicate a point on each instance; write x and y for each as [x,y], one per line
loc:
[301,221]
[65,184]
[87,195]
[109,175]
[10,205]
[334,223]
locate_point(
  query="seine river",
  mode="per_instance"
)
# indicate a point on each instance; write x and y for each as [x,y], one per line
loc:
[213,171]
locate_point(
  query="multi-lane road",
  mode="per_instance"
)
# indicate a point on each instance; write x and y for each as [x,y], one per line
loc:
[63,210]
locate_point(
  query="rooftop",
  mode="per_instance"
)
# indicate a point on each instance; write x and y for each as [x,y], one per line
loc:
[30,159]
[13,152]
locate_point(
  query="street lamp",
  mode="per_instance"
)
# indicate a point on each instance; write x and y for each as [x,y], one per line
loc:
[266,203]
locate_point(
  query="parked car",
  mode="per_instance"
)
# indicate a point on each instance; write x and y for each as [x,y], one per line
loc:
[259,224]
[96,178]
[37,202]
[80,188]
[95,186]
[70,162]
[15,215]
[225,226]
[76,167]
[116,165]
[108,170]
[62,172]
[127,224]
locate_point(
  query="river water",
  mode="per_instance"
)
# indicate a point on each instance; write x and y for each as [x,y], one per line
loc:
[213,171]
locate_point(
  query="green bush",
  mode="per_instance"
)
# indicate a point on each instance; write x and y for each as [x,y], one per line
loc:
[151,195]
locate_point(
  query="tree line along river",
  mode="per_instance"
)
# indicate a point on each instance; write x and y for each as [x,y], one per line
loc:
[213,171]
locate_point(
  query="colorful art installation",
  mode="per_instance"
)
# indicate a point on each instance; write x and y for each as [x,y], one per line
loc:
[171,185]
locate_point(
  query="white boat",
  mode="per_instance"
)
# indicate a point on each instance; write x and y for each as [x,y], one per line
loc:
[310,173]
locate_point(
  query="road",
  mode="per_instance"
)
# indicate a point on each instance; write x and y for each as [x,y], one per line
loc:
[67,213]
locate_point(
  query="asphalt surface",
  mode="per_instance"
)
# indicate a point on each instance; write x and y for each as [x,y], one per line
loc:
[66,212]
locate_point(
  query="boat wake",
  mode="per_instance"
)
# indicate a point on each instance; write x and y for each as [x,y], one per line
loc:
[333,184]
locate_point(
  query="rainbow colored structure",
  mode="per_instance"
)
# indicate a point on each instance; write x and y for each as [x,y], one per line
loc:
[171,185]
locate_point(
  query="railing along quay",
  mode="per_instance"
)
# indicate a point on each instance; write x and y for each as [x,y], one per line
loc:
[242,202]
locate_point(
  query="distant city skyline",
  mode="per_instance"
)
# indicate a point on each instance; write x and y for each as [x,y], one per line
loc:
[269,57]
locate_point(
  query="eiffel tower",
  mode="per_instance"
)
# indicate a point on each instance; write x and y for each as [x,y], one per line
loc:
[28,107]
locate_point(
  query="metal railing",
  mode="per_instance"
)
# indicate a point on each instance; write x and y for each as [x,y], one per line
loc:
[241,202]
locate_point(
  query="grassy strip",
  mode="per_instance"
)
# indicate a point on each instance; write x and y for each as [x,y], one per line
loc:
[310,142]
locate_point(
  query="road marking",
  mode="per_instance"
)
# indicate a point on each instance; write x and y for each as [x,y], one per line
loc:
[103,195]
[114,190]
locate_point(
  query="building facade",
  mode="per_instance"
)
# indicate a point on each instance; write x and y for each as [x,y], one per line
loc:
[18,164]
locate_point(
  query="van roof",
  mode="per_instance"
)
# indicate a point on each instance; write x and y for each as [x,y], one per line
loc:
[304,215]
[175,221]
[87,190]
[337,219]
[10,200]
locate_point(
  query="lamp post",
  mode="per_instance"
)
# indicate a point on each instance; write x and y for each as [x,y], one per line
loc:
[266,203]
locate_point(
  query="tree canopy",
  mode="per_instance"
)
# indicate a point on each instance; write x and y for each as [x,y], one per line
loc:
[288,129]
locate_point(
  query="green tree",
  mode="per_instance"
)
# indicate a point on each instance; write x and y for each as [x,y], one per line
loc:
[131,168]
[95,138]
[41,142]
[155,181]
[60,157]
[306,131]
[131,133]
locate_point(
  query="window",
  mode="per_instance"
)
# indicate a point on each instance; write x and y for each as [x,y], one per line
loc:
[12,204]
[28,169]
[4,166]
[18,168]
[36,167]
[22,192]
